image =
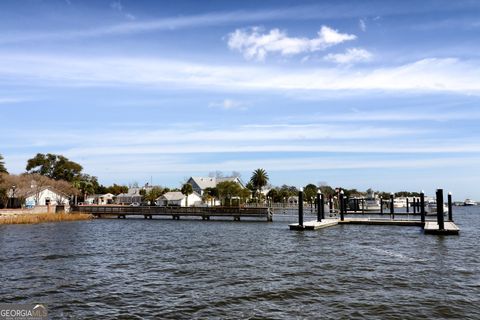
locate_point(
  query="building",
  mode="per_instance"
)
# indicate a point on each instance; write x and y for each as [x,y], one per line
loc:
[178,199]
[199,184]
[100,199]
[46,196]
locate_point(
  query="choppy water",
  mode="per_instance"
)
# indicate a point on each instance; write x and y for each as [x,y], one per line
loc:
[113,269]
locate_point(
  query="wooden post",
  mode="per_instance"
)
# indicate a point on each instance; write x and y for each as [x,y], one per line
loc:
[300,207]
[422,207]
[408,205]
[322,205]
[319,206]
[440,220]
[392,209]
[330,204]
[414,205]
[450,207]
[381,206]
[363,206]
[341,205]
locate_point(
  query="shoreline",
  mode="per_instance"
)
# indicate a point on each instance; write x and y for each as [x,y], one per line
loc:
[36,218]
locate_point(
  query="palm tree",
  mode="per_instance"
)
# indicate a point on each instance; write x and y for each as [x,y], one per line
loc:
[187,190]
[2,165]
[259,179]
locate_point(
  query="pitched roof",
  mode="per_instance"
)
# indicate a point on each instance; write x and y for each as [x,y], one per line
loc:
[172,196]
[211,182]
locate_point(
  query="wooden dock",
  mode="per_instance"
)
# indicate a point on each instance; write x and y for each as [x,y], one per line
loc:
[431,227]
[121,212]
[314,225]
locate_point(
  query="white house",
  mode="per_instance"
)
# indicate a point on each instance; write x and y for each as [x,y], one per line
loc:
[199,184]
[46,196]
[100,199]
[178,199]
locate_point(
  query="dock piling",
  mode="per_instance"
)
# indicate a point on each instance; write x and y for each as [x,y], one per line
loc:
[392,210]
[440,219]
[341,205]
[319,206]
[408,206]
[381,206]
[422,206]
[450,207]
[300,207]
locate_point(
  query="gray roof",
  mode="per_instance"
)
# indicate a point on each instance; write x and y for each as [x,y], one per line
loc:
[211,182]
[172,196]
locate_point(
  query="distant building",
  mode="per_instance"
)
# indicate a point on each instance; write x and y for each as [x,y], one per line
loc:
[100,199]
[133,194]
[178,199]
[199,184]
[46,196]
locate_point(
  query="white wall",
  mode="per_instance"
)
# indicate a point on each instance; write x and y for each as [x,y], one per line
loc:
[44,195]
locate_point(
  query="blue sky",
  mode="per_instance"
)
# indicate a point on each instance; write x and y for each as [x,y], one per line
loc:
[381,94]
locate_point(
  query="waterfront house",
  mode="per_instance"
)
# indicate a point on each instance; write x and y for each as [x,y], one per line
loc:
[178,199]
[199,184]
[100,199]
[46,196]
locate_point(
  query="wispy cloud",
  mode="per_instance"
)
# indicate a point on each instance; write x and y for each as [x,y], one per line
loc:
[438,75]
[352,55]
[254,44]
[229,104]
[362,24]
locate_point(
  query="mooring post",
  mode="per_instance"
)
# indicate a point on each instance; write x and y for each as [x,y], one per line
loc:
[330,204]
[450,207]
[322,205]
[341,205]
[300,207]
[363,205]
[381,206]
[422,206]
[392,210]
[319,210]
[414,205]
[440,221]
[408,206]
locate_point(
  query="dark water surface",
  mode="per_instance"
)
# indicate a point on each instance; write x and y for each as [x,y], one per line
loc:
[135,268]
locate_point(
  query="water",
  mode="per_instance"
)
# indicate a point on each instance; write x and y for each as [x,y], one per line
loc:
[135,268]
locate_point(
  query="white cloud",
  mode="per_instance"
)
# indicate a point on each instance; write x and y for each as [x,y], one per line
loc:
[351,55]
[362,24]
[254,44]
[117,6]
[229,104]
[438,75]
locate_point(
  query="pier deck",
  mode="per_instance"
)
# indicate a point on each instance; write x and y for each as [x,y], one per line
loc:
[205,213]
[431,227]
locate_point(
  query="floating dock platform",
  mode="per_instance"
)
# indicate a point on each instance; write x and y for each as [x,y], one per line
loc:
[431,227]
[314,225]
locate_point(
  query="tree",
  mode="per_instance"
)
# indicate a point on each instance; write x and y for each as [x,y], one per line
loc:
[153,194]
[210,194]
[187,190]
[310,192]
[259,179]
[2,165]
[228,190]
[54,166]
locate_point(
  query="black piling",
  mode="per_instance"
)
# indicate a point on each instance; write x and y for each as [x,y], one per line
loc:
[392,210]
[422,207]
[322,206]
[300,207]
[341,206]
[450,207]
[381,205]
[440,220]
[319,207]
[414,205]
[330,204]
[408,206]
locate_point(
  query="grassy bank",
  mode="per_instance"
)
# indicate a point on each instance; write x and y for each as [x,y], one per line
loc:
[43,217]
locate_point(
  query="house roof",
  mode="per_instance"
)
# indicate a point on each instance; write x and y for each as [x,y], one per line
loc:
[34,192]
[211,182]
[172,196]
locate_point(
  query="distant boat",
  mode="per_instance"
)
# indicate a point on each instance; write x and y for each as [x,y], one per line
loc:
[400,203]
[372,205]
[469,202]
[431,207]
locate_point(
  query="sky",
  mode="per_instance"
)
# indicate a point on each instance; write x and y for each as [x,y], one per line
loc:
[360,94]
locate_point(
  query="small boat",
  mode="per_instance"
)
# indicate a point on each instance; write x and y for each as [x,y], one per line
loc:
[431,207]
[400,203]
[469,202]
[372,205]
